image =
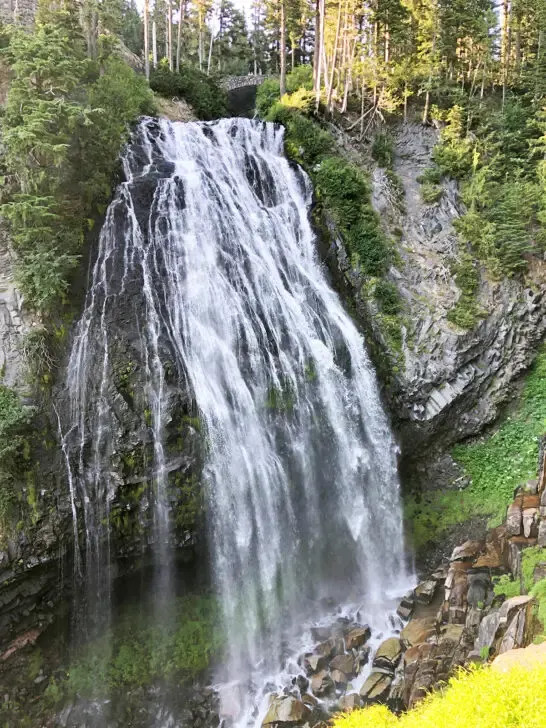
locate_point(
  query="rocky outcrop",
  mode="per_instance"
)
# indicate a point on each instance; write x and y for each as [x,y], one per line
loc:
[448,382]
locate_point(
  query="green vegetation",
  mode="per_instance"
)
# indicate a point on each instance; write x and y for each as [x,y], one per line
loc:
[202,92]
[530,559]
[495,464]
[467,277]
[65,121]
[15,419]
[506,586]
[143,649]
[343,195]
[479,698]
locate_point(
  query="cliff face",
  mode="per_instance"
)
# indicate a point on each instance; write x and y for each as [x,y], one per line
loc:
[448,382]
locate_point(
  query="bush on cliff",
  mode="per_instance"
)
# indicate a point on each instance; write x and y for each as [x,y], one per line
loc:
[202,92]
[65,121]
[479,698]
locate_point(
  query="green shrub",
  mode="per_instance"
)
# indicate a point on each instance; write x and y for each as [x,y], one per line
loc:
[477,698]
[467,277]
[538,592]
[387,296]
[15,419]
[530,558]
[383,150]
[200,91]
[432,175]
[431,193]
[506,586]
[268,94]
[300,78]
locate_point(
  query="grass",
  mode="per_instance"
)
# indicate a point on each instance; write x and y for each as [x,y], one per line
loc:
[495,464]
[479,698]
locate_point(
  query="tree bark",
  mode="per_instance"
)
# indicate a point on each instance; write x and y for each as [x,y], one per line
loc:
[170,33]
[181,18]
[334,60]
[146,39]
[282,49]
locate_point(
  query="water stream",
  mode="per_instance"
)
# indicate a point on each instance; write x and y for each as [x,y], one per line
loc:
[300,474]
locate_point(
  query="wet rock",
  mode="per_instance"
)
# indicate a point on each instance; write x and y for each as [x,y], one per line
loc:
[424,592]
[357,637]
[314,663]
[302,683]
[345,663]
[285,710]
[389,654]
[479,587]
[340,679]
[309,700]
[376,688]
[350,702]
[418,630]
[362,657]
[322,684]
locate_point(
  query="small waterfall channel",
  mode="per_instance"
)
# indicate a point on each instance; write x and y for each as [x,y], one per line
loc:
[208,251]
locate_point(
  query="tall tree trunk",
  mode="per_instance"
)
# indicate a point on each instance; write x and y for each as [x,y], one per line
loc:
[505,47]
[200,48]
[170,32]
[146,38]
[181,18]
[334,60]
[282,49]
[210,54]
[154,44]
[316,50]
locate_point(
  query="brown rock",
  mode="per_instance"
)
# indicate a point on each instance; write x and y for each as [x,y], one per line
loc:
[389,654]
[513,520]
[494,557]
[529,520]
[417,653]
[424,592]
[357,637]
[376,688]
[530,501]
[528,657]
[285,710]
[322,684]
[309,700]
[314,663]
[350,702]
[468,551]
[345,663]
[418,630]
[340,679]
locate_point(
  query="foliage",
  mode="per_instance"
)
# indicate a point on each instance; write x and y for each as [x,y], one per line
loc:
[538,592]
[382,150]
[506,586]
[142,649]
[300,78]
[15,419]
[495,464]
[387,296]
[267,94]
[467,277]
[199,90]
[431,193]
[480,698]
[530,559]
[66,119]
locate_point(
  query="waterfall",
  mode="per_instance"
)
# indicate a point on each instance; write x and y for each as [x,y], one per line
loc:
[209,239]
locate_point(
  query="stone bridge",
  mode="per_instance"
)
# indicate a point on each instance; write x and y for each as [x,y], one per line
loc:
[230,83]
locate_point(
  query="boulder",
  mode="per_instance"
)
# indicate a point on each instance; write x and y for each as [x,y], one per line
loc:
[468,551]
[479,588]
[376,688]
[350,702]
[285,710]
[389,654]
[424,592]
[528,657]
[513,520]
[357,637]
[322,684]
[541,540]
[340,679]
[314,663]
[345,663]
[529,520]
[418,630]
[405,608]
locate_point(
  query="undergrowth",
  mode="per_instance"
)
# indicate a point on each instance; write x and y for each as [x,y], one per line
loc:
[495,464]
[141,650]
[477,698]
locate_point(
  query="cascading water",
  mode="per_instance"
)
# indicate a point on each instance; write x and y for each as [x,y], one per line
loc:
[212,237]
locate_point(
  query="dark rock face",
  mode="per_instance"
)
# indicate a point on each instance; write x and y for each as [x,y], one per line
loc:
[450,381]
